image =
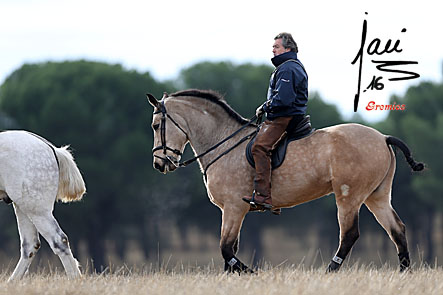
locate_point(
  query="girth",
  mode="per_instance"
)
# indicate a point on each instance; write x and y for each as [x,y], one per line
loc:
[7,200]
[302,130]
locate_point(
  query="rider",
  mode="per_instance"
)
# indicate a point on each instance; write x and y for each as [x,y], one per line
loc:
[285,105]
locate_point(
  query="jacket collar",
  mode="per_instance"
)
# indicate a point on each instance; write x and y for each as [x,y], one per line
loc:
[279,59]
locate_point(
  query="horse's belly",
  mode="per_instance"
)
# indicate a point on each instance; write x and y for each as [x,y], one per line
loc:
[295,192]
[300,179]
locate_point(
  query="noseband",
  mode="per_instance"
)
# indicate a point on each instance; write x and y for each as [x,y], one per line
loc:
[163,146]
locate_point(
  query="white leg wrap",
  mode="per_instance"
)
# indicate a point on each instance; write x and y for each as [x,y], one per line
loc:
[232,261]
[337,259]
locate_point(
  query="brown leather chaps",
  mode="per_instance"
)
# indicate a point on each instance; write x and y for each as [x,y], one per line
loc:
[269,135]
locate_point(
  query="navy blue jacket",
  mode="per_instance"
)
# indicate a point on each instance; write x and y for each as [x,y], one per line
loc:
[288,88]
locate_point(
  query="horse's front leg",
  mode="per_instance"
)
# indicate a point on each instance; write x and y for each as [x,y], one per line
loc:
[231,225]
[228,268]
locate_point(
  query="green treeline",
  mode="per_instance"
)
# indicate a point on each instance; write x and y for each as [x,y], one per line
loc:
[102,112]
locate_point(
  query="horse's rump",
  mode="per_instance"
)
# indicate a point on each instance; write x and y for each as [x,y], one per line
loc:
[346,155]
[27,157]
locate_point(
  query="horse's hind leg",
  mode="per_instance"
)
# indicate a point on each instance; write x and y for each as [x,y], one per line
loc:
[379,203]
[389,220]
[29,243]
[349,230]
[49,228]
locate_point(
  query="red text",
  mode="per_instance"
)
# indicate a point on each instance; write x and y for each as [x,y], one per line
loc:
[385,107]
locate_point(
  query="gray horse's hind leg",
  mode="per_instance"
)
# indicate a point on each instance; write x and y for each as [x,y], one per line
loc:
[29,241]
[48,227]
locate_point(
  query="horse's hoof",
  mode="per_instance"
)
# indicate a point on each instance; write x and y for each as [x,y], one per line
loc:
[249,271]
[245,270]
[333,267]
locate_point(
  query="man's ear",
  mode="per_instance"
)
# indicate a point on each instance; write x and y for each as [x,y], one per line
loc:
[152,100]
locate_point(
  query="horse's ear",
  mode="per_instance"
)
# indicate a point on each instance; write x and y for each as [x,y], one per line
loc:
[152,100]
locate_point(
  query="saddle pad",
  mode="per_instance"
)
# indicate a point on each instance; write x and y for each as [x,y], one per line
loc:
[278,154]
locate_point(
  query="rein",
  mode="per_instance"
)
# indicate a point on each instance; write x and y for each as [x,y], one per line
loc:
[178,164]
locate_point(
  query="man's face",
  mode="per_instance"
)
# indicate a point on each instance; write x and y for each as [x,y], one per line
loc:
[278,48]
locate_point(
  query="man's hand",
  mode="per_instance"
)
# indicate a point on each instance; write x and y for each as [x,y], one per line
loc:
[259,111]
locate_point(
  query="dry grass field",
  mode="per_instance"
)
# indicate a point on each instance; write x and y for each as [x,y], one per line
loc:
[353,280]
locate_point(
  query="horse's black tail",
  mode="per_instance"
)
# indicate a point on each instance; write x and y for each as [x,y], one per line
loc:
[416,166]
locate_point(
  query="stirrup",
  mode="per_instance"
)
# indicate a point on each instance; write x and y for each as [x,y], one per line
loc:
[276,211]
[264,205]
[252,202]
[255,205]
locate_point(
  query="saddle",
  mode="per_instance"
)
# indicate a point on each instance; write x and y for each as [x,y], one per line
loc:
[302,130]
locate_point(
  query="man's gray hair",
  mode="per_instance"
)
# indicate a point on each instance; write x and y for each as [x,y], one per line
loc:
[287,41]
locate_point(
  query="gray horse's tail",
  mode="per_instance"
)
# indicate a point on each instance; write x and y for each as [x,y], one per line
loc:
[71,186]
[416,166]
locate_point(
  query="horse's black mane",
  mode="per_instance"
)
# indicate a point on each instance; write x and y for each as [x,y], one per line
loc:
[214,97]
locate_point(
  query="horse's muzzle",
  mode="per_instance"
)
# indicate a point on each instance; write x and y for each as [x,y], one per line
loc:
[164,165]
[159,167]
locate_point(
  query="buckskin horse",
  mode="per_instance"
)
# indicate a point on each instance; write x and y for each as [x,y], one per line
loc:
[33,175]
[355,162]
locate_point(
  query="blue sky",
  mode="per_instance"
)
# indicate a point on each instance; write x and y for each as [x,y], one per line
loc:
[164,37]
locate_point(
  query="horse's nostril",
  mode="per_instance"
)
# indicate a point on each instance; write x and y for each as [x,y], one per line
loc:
[157,166]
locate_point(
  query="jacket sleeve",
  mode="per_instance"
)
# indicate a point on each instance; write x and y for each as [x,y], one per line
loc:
[284,94]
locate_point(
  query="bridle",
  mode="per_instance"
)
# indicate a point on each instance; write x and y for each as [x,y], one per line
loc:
[163,146]
[162,109]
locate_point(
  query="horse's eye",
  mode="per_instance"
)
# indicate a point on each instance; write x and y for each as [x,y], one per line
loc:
[155,126]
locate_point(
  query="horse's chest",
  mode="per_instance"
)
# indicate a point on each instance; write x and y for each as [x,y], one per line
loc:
[225,184]
[216,201]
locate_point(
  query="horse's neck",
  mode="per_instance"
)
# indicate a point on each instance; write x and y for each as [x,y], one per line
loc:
[209,131]
[207,126]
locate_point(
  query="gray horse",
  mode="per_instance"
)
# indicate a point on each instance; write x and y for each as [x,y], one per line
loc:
[33,175]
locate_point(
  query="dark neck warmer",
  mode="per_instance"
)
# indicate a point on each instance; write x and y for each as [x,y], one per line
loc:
[279,59]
